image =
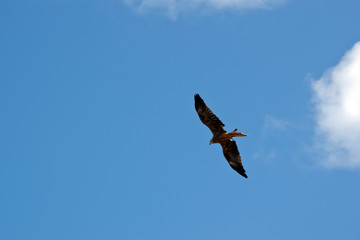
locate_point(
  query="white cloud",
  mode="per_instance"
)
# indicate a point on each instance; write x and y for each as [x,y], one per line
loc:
[337,104]
[173,8]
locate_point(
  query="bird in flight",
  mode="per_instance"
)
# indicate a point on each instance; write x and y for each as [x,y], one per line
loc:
[228,145]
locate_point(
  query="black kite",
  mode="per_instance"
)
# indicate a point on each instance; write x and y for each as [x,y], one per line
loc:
[228,145]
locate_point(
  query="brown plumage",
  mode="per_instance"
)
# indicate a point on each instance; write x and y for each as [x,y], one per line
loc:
[228,145]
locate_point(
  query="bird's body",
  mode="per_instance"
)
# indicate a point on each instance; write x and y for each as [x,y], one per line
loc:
[220,136]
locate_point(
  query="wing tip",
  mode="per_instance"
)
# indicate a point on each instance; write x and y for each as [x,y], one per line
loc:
[238,168]
[198,101]
[244,175]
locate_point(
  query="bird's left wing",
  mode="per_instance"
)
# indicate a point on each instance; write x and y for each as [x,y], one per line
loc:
[232,155]
[207,117]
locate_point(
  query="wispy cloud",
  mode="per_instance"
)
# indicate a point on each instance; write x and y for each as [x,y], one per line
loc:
[273,123]
[173,8]
[337,104]
[272,136]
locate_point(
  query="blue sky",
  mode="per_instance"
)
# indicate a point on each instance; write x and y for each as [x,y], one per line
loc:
[99,138]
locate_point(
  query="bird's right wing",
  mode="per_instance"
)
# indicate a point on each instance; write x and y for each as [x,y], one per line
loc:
[232,155]
[207,117]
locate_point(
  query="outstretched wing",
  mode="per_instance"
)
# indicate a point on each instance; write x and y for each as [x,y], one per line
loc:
[232,155]
[208,117]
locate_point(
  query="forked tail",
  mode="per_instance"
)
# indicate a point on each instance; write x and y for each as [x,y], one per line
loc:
[237,134]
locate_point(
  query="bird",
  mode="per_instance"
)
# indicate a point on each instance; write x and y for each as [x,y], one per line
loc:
[230,149]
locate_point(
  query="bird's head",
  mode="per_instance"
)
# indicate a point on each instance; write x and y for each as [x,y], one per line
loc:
[211,142]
